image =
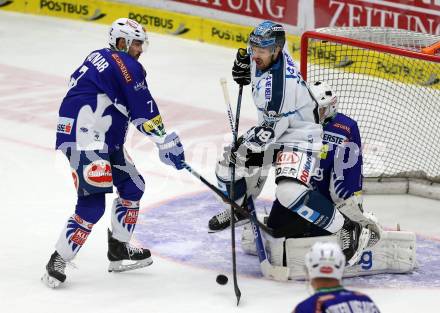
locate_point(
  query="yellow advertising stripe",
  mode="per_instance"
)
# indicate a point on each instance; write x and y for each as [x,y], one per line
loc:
[385,66]
[155,20]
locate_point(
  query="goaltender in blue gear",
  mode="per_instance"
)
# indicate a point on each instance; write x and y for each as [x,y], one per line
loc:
[106,93]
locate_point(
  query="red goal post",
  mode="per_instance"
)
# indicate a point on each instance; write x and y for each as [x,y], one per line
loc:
[391,88]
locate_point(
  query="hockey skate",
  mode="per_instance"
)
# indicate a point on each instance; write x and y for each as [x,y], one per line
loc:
[54,275]
[122,251]
[354,239]
[222,220]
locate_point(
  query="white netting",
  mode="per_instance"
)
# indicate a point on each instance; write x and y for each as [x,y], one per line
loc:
[395,99]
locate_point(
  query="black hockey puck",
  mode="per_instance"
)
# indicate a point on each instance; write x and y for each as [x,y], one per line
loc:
[221,279]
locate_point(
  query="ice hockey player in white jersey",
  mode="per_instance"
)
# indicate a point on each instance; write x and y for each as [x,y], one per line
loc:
[288,135]
[107,93]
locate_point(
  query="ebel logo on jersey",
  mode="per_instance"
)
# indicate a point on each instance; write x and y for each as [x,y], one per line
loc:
[65,125]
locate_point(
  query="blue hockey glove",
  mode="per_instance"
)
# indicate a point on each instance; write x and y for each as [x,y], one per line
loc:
[171,151]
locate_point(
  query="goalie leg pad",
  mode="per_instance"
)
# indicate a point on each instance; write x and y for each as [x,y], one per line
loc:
[394,253]
[297,248]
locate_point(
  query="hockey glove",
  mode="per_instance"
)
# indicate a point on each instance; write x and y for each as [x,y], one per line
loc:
[352,209]
[171,151]
[259,138]
[241,71]
[236,157]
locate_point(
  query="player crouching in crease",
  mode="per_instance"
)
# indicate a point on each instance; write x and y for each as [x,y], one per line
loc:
[325,264]
[107,92]
[289,136]
[336,195]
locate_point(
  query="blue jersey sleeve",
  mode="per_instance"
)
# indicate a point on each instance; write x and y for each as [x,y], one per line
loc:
[346,177]
[340,172]
[141,106]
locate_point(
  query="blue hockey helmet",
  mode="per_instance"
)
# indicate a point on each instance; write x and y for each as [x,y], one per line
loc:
[268,34]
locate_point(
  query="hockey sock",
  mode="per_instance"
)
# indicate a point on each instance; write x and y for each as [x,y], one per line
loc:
[73,237]
[124,218]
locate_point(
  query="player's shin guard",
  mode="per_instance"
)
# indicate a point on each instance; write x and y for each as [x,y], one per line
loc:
[124,218]
[71,240]
[73,237]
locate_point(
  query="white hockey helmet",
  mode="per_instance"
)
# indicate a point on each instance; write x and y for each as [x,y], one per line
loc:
[325,260]
[326,99]
[129,30]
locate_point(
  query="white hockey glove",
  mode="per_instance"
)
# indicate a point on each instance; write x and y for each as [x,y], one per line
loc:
[352,209]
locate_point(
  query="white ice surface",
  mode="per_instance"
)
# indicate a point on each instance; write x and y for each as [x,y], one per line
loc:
[37,194]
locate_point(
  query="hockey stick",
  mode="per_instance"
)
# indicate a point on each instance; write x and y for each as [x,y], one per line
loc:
[232,191]
[279,273]
[224,198]
[228,104]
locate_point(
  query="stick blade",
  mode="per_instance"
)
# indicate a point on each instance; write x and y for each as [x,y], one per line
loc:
[278,273]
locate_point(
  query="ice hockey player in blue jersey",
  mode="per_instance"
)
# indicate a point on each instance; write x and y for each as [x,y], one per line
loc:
[339,176]
[107,93]
[325,265]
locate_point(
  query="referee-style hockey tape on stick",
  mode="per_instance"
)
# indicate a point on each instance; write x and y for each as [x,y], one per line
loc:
[219,193]
[228,103]
[279,273]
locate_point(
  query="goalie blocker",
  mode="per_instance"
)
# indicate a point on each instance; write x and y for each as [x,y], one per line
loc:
[395,253]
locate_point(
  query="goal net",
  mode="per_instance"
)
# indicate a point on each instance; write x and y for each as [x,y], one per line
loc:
[385,82]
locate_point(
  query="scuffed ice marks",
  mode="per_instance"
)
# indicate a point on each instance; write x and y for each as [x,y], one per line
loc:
[178,229]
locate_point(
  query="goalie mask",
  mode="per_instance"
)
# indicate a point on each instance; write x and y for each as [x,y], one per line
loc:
[325,260]
[129,30]
[326,99]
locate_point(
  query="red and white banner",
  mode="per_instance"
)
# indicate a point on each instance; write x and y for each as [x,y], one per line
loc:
[416,15]
[283,11]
